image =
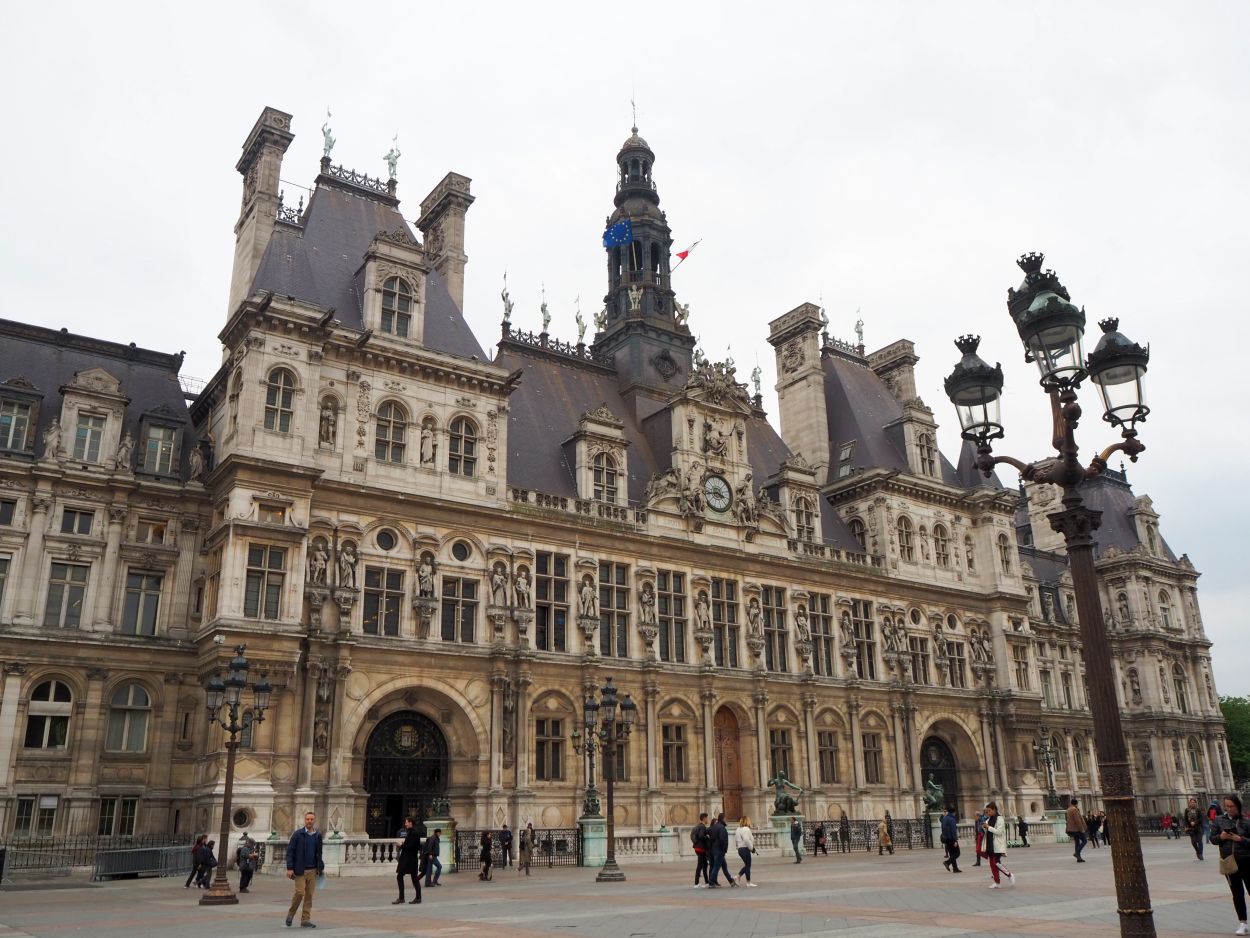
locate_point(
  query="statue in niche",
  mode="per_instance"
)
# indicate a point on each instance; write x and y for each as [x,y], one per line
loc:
[1134,684]
[846,631]
[321,733]
[702,614]
[428,444]
[1048,611]
[125,449]
[980,647]
[328,424]
[715,440]
[347,565]
[635,298]
[521,585]
[318,563]
[646,604]
[1122,608]
[755,618]
[588,599]
[801,628]
[744,497]
[890,633]
[509,717]
[425,577]
[940,648]
[970,555]
[196,462]
[499,586]
[52,438]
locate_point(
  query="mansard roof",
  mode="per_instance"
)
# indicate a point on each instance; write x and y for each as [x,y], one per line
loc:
[1111,494]
[317,260]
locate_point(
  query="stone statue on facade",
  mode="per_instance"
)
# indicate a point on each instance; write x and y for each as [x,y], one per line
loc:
[635,298]
[327,139]
[427,443]
[125,448]
[934,794]
[196,462]
[702,614]
[521,586]
[425,578]
[601,319]
[52,438]
[581,327]
[588,599]
[801,628]
[546,313]
[756,375]
[681,314]
[507,300]
[744,499]
[392,157]
[499,586]
[783,801]
[859,332]
[646,604]
[327,425]
[318,563]
[890,633]
[846,632]
[347,565]
[755,618]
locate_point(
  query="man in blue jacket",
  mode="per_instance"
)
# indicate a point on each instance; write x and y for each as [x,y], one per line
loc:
[950,838]
[304,864]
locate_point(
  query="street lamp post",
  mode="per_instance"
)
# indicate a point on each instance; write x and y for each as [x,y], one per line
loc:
[605,730]
[1046,754]
[1051,327]
[228,694]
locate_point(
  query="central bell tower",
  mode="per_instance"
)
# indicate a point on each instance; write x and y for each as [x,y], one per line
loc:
[643,328]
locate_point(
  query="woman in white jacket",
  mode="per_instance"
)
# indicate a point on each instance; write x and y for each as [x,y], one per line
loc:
[744,840]
[996,844]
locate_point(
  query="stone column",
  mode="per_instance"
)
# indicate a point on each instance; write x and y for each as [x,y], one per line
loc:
[105,602]
[813,747]
[524,735]
[178,623]
[709,740]
[32,561]
[1207,762]
[339,747]
[857,745]
[498,683]
[996,731]
[916,755]
[1095,783]
[651,692]
[1067,744]
[900,745]
[88,742]
[760,699]
[987,747]
[308,719]
[9,705]
[162,734]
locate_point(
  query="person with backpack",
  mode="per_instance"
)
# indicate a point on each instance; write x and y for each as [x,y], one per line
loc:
[208,862]
[979,830]
[197,857]
[433,866]
[701,841]
[844,834]
[245,858]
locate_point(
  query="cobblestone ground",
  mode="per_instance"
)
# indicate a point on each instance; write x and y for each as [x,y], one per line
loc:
[844,895]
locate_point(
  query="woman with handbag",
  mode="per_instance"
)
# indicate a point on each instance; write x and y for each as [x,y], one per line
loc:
[1230,832]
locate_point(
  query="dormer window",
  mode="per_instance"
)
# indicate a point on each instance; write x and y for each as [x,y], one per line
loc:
[160,449]
[87,437]
[804,520]
[279,400]
[606,477]
[858,532]
[14,424]
[928,454]
[846,459]
[397,307]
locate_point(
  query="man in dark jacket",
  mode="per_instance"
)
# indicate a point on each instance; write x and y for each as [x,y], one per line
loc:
[433,866]
[505,845]
[844,834]
[796,839]
[701,840]
[245,858]
[719,847]
[1193,822]
[1075,829]
[409,862]
[304,864]
[950,840]
[1022,828]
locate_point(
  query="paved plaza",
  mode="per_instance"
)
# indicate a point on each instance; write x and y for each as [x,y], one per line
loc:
[845,895]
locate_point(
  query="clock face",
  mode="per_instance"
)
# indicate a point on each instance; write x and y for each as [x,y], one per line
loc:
[717,491]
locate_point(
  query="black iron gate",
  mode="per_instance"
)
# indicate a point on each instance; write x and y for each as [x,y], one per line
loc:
[405,772]
[553,846]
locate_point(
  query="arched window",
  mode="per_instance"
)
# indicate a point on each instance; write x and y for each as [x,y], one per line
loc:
[247,736]
[47,716]
[279,400]
[928,454]
[1004,553]
[396,307]
[606,478]
[1195,757]
[1078,754]
[857,532]
[1181,686]
[804,520]
[128,719]
[1165,609]
[941,546]
[388,440]
[906,541]
[1059,752]
[462,447]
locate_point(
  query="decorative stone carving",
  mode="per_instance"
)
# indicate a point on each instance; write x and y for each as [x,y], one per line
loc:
[521,588]
[635,298]
[318,563]
[347,565]
[125,450]
[429,444]
[425,576]
[588,598]
[792,356]
[52,440]
[327,427]
[499,585]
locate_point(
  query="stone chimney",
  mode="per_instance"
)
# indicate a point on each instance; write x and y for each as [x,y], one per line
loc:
[896,366]
[260,166]
[801,385]
[442,228]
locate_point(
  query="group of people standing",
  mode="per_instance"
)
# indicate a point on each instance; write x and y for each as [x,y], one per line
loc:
[204,861]
[525,852]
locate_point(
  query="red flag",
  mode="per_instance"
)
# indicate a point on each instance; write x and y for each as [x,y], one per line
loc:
[682,255]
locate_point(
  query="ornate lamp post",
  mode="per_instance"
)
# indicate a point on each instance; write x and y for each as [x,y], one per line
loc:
[1045,753]
[228,694]
[1051,327]
[605,731]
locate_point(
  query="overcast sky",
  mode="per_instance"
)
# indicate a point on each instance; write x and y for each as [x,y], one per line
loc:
[892,158]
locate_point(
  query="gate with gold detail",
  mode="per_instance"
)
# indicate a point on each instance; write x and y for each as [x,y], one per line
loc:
[405,771]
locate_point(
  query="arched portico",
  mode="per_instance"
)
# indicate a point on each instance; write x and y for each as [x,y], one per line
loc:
[405,769]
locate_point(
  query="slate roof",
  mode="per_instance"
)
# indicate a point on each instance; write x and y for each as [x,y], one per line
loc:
[1111,494]
[318,264]
[49,359]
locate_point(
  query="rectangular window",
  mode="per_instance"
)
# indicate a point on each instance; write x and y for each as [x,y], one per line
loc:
[1048,693]
[158,450]
[613,610]
[117,817]
[551,601]
[773,600]
[821,616]
[1065,683]
[865,632]
[670,602]
[918,647]
[846,459]
[14,425]
[266,573]
[143,602]
[76,521]
[1020,658]
[827,751]
[384,596]
[549,750]
[67,588]
[780,751]
[271,514]
[8,508]
[150,531]
[957,656]
[4,577]
[725,622]
[872,758]
[87,437]
[459,609]
[674,740]
[36,815]
[24,817]
[396,323]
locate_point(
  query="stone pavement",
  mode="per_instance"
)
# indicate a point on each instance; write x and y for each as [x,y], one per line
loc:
[859,895]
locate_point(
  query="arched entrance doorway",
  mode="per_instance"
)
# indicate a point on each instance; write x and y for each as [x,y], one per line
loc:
[938,763]
[405,769]
[728,762]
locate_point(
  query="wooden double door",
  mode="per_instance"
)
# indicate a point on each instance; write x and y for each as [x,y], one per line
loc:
[728,762]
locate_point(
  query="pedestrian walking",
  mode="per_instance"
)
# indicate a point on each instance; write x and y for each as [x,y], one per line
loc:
[1075,826]
[1104,826]
[950,839]
[1230,832]
[844,834]
[885,840]
[979,830]
[409,862]
[197,857]
[1093,823]
[996,844]
[1193,821]
[821,840]
[526,850]
[505,845]
[208,862]
[700,841]
[1022,828]
[433,866]
[1166,823]
[719,847]
[485,846]
[304,864]
[246,856]
[744,840]
[796,839]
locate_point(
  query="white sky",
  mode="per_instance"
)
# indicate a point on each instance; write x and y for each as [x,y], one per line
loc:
[892,157]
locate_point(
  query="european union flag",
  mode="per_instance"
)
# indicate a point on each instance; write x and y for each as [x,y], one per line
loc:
[620,233]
